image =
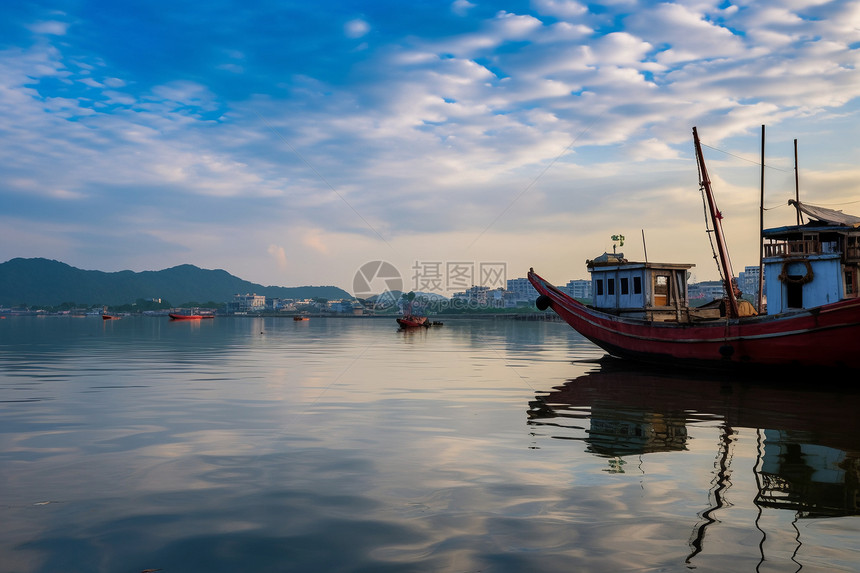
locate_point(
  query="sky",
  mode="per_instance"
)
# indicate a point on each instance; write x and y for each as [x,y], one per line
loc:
[292,143]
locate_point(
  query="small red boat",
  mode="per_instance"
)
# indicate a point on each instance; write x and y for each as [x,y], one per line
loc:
[177,316]
[109,317]
[411,321]
[300,318]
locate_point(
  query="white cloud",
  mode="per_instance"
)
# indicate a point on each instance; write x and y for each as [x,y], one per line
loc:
[279,255]
[356,28]
[567,9]
[51,27]
[461,7]
[185,93]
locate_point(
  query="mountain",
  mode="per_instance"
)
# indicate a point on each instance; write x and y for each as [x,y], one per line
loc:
[47,282]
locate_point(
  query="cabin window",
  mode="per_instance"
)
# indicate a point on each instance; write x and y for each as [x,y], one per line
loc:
[625,287]
[849,282]
[610,286]
[661,290]
[599,287]
[852,249]
[637,285]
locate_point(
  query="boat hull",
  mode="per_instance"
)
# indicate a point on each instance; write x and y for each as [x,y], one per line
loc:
[174,316]
[412,322]
[826,336]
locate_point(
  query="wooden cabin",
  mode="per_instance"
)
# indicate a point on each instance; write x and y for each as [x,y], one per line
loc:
[812,264]
[650,291]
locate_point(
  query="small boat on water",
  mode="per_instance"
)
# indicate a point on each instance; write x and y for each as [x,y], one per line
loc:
[179,316]
[640,310]
[412,321]
[109,317]
[300,318]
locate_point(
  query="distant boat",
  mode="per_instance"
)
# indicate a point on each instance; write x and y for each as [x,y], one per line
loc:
[411,321]
[641,310]
[109,317]
[300,318]
[178,316]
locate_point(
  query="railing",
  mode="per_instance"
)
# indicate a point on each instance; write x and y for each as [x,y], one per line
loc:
[789,248]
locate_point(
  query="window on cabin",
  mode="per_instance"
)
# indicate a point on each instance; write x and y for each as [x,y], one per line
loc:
[610,286]
[599,287]
[661,290]
[625,287]
[852,249]
[637,285]
[849,282]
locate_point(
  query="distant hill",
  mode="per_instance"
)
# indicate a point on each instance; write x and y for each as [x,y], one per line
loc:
[47,282]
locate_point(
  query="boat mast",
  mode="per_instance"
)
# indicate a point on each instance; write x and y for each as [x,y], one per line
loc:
[716,220]
[797,185]
[761,234]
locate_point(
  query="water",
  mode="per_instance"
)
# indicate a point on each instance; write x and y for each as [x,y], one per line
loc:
[247,444]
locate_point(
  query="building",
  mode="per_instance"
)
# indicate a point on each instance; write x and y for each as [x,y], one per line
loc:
[482,297]
[579,288]
[522,289]
[246,303]
[706,291]
[748,282]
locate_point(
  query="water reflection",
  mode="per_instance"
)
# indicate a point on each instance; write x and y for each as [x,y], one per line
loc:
[807,434]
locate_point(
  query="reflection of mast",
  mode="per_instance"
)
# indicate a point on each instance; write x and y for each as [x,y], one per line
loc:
[761,483]
[759,455]
[721,483]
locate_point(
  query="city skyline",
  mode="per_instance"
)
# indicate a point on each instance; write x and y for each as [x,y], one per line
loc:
[290,144]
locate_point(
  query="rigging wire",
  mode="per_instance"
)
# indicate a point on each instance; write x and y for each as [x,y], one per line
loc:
[754,162]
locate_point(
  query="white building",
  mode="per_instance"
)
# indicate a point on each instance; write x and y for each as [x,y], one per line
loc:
[522,289]
[748,282]
[247,303]
[579,288]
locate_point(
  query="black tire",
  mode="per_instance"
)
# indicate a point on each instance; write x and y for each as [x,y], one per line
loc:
[542,302]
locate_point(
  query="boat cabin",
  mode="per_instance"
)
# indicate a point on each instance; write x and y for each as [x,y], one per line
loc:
[812,264]
[650,291]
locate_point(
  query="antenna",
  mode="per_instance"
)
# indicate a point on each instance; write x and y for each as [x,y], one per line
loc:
[644,247]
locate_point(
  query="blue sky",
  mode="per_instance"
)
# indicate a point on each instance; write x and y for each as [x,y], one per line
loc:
[290,142]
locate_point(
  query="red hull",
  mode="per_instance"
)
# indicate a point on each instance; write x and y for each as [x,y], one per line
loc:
[826,336]
[190,316]
[412,321]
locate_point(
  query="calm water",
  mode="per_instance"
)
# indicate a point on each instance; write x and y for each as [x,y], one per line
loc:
[243,444]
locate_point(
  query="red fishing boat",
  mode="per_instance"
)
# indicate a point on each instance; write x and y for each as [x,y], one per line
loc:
[640,311]
[410,321]
[179,316]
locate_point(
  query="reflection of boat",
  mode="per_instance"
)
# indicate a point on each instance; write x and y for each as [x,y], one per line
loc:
[810,458]
[641,311]
[179,316]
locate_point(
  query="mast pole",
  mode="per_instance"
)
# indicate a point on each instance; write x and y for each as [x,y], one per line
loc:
[796,184]
[761,233]
[716,220]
